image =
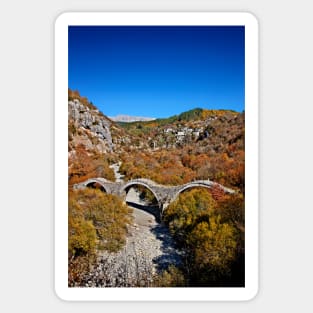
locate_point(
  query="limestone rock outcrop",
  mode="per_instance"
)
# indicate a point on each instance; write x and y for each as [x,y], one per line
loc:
[89,127]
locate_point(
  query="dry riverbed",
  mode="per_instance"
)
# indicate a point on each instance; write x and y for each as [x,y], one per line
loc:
[149,249]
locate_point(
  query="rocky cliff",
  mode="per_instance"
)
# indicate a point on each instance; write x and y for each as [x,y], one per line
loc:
[88,127]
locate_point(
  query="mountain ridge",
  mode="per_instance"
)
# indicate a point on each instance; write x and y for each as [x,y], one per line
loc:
[130,118]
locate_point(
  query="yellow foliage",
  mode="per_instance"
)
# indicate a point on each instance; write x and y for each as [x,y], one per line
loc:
[96,221]
[210,241]
[108,214]
[172,277]
[214,244]
[82,236]
[191,206]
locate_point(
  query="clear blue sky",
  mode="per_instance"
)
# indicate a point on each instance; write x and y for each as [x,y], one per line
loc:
[158,71]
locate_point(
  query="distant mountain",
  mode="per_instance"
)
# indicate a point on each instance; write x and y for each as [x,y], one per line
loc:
[129,119]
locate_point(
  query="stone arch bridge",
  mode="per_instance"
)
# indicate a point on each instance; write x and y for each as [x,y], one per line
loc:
[163,194]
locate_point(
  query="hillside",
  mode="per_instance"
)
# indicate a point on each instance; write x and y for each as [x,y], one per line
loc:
[187,127]
[90,128]
[197,144]
[89,140]
[191,115]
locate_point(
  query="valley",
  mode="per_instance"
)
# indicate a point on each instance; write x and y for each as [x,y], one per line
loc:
[149,248]
[197,241]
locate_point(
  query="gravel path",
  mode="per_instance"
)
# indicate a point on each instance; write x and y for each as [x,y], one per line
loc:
[118,176]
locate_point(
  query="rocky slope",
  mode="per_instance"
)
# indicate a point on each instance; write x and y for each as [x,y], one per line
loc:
[93,131]
[88,127]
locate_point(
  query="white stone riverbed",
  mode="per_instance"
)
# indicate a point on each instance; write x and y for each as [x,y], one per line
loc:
[149,249]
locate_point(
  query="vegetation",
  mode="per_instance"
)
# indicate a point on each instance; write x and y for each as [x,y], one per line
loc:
[213,241]
[146,195]
[171,277]
[96,221]
[199,144]
[161,167]
[191,115]
[179,166]
[85,164]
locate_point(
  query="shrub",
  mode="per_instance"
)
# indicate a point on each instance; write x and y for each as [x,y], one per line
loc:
[107,213]
[82,236]
[172,277]
[190,207]
[213,245]
[96,221]
[211,242]
[84,165]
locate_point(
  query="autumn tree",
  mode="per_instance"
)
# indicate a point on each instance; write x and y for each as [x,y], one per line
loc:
[191,207]
[171,277]
[85,164]
[95,221]
[231,207]
[212,247]
[210,240]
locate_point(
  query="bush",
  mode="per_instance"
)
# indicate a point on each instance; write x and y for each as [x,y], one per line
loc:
[82,236]
[211,242]
[172,277]
[84,165]
[191,207]
[108,214]
[213,245]
[96,221]
[232,209]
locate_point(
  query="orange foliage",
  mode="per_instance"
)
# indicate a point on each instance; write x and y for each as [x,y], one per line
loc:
[84,165]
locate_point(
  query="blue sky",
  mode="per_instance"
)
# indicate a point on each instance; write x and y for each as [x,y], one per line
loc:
[158,71]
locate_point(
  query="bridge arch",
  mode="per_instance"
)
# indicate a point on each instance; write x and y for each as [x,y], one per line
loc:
[200,184]
[135,183]
[95,184]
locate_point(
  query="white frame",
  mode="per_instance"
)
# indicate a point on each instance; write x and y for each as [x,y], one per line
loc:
[251,156]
